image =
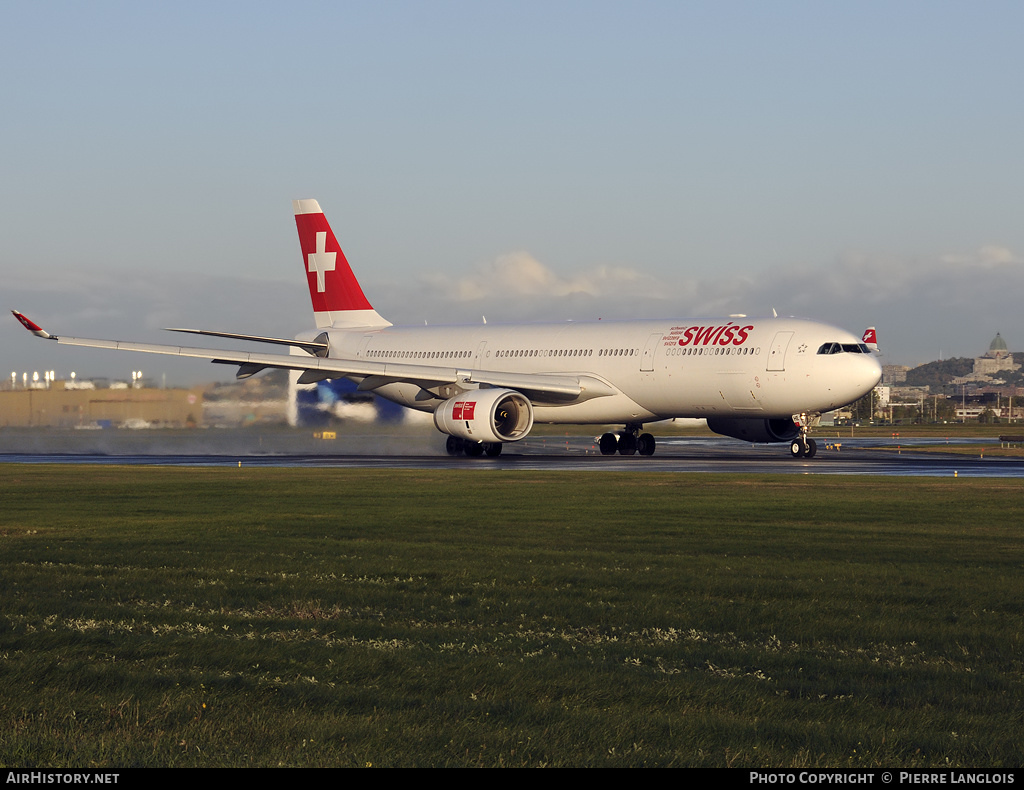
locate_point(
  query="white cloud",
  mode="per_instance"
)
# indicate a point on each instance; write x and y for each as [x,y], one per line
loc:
[985,257]
[518,274]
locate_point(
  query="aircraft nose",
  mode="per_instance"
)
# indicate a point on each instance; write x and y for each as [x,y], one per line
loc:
[855,377]
[876,369]
[865,373]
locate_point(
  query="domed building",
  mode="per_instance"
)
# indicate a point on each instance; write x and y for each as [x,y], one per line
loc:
[996,359]
[986,367]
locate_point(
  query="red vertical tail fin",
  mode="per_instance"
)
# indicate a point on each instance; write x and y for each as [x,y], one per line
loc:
[870,339]
[337,298]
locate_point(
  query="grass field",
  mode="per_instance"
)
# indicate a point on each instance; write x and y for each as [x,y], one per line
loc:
[263,617]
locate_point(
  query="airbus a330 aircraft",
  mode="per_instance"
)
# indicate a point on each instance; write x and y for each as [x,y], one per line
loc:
[758,380]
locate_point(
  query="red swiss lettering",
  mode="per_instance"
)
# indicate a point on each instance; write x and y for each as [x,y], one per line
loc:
[715,335]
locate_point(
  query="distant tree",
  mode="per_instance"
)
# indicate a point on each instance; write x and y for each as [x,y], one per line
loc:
[936,375]
[1013,378]
[906,414]
[944,409]
[862,409]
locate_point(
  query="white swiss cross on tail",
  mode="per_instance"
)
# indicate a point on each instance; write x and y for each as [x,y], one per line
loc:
[321,261]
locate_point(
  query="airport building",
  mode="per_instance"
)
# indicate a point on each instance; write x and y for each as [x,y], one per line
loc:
[81,405]
[894,374]
[275,398]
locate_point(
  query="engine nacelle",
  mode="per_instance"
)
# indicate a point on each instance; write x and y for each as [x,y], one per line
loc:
[487,415]
[753,430]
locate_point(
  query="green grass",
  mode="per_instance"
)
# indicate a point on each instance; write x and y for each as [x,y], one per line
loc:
[253,617]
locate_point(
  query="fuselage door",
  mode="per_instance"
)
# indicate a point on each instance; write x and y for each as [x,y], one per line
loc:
[777,354]
[647,360]
[480,350]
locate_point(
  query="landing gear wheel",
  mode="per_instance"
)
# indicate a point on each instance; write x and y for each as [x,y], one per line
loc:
[803,445]
[474,449]
[645,444]
[493,449]
[454,445]
[609,444]
[800,450]
[627,444]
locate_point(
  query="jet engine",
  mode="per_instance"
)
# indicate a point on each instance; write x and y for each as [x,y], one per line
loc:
[486,415]
[756,431]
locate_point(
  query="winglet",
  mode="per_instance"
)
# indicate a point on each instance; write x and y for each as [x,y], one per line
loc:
[32,327]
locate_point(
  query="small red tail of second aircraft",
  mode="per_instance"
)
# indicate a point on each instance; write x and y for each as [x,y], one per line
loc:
[870,339]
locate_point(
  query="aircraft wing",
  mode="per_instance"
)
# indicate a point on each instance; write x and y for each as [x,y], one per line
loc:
[536,386]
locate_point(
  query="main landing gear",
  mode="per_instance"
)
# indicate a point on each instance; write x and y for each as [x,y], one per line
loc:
[457,446]
[628,442]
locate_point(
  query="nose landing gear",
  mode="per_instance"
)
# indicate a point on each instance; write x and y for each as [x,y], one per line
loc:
[804,446]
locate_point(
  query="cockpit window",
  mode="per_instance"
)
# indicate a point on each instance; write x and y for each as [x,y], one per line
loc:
[841,348]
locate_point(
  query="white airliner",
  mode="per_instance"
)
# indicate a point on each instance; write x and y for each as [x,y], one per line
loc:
[754,379]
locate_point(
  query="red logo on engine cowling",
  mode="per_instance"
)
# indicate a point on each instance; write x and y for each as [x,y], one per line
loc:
[463,410]
[730,334]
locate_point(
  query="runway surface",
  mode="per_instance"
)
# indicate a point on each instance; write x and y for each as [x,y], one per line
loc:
[860,456]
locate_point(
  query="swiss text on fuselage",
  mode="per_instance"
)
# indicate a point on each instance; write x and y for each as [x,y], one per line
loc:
[715,335]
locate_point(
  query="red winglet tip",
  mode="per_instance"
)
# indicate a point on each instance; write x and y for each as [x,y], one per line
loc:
[31,326]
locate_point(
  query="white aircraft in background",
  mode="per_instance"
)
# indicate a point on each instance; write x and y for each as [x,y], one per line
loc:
[758,380]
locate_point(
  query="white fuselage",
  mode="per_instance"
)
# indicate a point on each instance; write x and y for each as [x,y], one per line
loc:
[736,367]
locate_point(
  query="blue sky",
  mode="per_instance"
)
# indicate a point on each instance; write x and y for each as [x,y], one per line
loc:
[859,163]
